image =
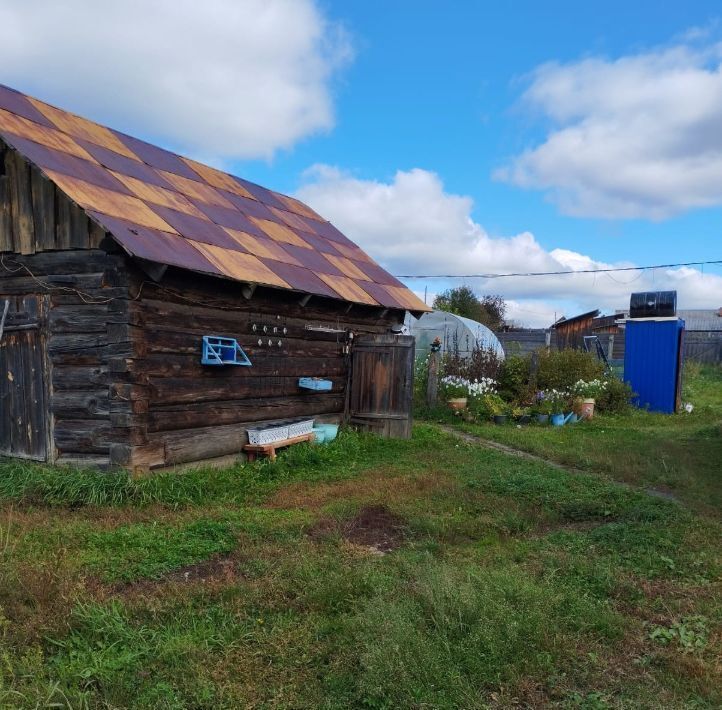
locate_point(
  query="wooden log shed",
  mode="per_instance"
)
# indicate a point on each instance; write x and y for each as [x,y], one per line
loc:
[117,257]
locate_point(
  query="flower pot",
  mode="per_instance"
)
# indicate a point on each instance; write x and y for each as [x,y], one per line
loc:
[458,403]
[500,419]
[524,418]
[557,420]
[588,408]
[542,418]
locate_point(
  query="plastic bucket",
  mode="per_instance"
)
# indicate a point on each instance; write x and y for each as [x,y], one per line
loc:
[319,434]
[330,431]
[588,408]
[458,403]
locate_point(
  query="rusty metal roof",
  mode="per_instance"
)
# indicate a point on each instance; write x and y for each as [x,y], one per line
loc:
[173,210]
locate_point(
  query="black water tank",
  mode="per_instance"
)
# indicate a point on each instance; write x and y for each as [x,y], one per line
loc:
[653,304]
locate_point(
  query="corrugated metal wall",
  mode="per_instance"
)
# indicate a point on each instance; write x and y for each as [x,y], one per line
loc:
[651,362]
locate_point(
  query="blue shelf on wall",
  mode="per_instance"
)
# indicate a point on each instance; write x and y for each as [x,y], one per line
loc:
[223,351]
[315,383]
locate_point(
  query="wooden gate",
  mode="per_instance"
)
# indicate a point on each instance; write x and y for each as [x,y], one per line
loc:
[23,415]
[382,379]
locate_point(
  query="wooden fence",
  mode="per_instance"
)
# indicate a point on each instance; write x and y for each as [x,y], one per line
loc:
[699,346]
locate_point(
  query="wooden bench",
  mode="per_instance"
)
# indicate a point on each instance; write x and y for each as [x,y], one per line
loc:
[253,450]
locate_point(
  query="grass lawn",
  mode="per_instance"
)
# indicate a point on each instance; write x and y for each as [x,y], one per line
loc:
[429,573]
[680,455]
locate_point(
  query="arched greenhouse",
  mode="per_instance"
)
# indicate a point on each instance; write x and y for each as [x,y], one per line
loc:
[453,331]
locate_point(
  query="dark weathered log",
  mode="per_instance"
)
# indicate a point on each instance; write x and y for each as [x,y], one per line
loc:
[189,416]
[158,341]
[84,404]
[82,355]
[79,377]
[19,283]
[234,314]
[172,390]
[83,318]
[68,262]
[202,443]
[83,436]
[269,364]
[138,458]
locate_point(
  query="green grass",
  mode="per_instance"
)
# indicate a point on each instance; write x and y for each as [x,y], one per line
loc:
[678,454]
[513,583]
[147,551]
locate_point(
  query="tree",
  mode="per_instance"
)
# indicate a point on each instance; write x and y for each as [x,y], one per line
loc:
[462,301]
[495,309]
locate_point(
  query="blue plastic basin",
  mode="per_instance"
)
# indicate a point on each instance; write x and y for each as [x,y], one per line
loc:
[330,431]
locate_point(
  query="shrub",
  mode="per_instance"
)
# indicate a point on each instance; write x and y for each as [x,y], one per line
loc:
[553,401]
[561,369]
[616,396]
[488,406]
[514,378]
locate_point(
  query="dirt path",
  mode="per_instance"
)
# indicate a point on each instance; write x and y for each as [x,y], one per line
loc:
[489,444]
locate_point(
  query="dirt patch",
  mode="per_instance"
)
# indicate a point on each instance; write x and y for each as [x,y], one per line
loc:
[374,527]
[371,487]
[221,569]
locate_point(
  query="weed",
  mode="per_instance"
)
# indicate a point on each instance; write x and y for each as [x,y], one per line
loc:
[690,633]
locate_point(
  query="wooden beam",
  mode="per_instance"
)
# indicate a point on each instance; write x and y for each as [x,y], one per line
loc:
[153,269]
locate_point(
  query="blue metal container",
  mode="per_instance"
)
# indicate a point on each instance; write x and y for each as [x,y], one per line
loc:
[653,362]
[315,383]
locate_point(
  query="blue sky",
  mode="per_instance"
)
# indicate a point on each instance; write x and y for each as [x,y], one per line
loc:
[443,137]
[437,86]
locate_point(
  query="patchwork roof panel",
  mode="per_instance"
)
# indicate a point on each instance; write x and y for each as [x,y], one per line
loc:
[173,210]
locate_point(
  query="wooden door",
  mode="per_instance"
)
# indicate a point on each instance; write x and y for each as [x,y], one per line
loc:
[23,415]
[382,379]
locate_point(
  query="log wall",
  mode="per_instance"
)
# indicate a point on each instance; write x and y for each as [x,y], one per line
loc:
[125,385]
[83,324]
[186,411]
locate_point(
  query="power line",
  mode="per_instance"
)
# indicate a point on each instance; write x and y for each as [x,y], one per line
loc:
[555,273]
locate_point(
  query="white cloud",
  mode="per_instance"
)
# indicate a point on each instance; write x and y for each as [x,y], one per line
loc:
[218,79]
[412,226]
[636,136]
